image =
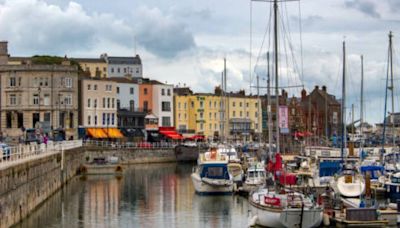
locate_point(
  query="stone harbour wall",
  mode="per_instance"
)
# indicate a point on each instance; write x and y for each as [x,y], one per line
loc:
[24,186]
[132,156]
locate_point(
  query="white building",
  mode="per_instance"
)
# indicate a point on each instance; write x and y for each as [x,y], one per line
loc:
[163,103]
[130,67]
[127,93]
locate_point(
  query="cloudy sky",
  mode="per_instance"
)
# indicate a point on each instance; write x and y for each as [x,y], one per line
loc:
[185,41]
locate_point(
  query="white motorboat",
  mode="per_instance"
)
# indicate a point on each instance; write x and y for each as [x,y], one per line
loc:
[255,177]
[229,152]
[272,209]
[236,171]
[211,175]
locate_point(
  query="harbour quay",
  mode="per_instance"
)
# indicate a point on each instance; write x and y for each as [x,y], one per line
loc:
[33,173]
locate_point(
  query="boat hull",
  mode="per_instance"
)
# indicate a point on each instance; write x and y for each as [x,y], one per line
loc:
[289,217]
[392,192]
[188,153]
[348,189]
[204,188]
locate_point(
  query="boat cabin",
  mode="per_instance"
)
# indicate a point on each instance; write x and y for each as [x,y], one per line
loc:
[214,171]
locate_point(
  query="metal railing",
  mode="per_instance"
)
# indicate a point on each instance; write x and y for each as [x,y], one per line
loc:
[131,145]
[33,150]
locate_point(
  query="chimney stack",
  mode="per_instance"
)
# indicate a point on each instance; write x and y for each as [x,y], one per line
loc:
[324,88]
[3,52]
[303,94]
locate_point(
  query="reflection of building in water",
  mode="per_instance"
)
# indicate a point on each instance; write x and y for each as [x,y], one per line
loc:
[102,198]
[184,190]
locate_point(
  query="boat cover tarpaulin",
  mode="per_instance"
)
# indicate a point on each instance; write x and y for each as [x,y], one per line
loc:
[374,170]
[287,179]
[275,166]
[329,168]
[215,171]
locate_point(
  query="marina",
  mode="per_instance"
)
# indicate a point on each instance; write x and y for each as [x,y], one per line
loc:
[175,127]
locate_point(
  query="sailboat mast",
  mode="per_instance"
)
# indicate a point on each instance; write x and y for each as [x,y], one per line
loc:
[343,116]
[269,112]
[276,72]
[391,84]
[362,103]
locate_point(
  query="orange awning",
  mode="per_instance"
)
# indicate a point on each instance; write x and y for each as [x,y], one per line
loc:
[97,133]
[113,133]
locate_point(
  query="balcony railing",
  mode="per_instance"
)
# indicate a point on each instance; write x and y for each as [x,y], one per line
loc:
[130,145]
[186,131]
[133,109]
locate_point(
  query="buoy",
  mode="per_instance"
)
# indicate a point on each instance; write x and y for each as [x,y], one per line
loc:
[253,221]
[325,219]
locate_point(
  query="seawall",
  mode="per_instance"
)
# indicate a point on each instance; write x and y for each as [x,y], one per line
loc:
[25,185]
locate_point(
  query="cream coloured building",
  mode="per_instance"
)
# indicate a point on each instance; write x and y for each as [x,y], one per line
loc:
[32,96]
[94,67]
[97,103]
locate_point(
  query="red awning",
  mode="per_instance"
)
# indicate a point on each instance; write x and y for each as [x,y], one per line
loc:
[170,133]
[196,137]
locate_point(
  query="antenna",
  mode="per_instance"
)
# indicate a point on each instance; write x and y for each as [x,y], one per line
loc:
[134,41]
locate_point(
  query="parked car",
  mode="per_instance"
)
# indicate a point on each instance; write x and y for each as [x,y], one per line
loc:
[6,151]
[31,136]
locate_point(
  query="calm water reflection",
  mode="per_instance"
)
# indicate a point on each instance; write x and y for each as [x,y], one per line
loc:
[156,195]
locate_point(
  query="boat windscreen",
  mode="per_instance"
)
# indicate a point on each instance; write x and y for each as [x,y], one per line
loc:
[215,172]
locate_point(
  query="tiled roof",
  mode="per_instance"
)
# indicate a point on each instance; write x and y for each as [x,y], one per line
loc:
[90,60]
[124,60]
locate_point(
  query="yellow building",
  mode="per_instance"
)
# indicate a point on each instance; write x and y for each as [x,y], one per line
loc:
[95,67]
[204,114]
[244,116]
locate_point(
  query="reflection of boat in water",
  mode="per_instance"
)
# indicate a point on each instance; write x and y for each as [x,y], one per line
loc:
[102,166]
[211,175]
[189,151]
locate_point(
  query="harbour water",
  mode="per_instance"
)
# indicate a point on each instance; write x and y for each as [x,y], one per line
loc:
[151,195]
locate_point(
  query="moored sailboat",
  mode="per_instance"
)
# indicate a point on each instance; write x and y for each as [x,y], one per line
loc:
[277,206]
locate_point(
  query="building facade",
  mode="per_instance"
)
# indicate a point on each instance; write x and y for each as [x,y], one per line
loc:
[124,66]
[93,67]
[127,93]
[42,97]
[163,103]
[244,115]
[321,112]
[98,103]
[206,114]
